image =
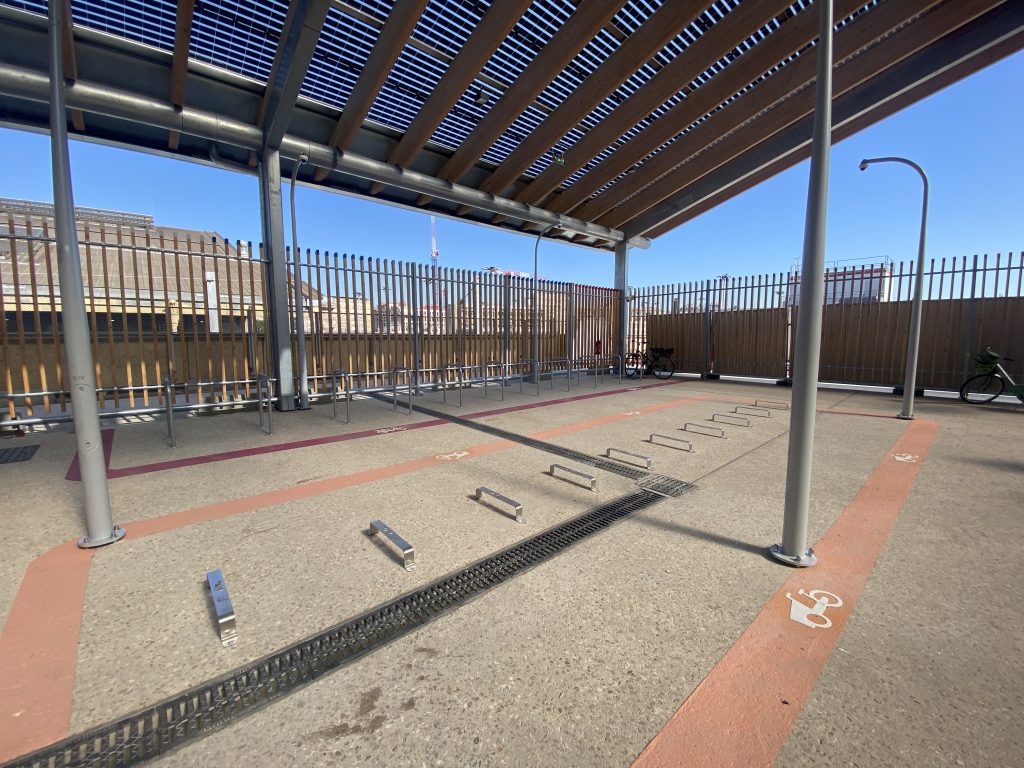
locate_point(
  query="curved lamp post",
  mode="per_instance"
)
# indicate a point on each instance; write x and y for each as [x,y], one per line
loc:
[300,322]
[914,340]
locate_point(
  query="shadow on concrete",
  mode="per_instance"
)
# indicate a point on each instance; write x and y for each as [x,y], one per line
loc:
[1006,465]
[697,533]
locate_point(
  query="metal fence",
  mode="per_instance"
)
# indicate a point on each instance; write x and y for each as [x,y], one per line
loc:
[747,326]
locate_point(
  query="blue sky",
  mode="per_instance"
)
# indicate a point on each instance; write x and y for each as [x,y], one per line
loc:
[967,138]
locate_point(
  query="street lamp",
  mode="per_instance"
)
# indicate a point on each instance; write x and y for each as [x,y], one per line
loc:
[914,340]
[300,324]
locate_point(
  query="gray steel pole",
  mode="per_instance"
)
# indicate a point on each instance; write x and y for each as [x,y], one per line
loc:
[506,329]
[794,550]
[414,303]
[535,342]
[99,526]
[300,321]
[277,277]
[914,339]
[570,327]
[622,285]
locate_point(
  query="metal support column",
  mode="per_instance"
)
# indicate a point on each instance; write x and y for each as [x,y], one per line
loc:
[278,326]
[79,369]
[622,286]
[506,329]
[417,353]
[570,328]
[300,318]
[794,550]
[535,296]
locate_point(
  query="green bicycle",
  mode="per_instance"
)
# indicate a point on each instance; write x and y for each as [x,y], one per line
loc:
[992,379]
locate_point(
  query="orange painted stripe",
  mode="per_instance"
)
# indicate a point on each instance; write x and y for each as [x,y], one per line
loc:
[39,643]
[742,713]
[42,628]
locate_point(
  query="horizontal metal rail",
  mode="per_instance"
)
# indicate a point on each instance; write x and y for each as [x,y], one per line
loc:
[753,410]
[703,429]
[728,418]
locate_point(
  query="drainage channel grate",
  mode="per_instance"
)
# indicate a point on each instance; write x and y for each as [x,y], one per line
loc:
[21,453]
[197,712]
[664,486]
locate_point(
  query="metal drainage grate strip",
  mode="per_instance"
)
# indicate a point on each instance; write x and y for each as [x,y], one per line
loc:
[190,715]
[21,453]
[664,486]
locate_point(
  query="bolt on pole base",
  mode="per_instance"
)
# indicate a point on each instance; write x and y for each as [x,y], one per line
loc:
[115,535]
[806,560]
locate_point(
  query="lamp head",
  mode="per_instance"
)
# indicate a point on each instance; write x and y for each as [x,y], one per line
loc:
[864,165]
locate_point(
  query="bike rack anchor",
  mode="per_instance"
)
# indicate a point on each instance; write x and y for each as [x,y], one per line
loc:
[689,444]
[516,506]
[697,430]
[728,418]
[589,478]
[408,554]
[608,454]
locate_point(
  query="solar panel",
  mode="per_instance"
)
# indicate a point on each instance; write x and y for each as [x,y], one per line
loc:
[340,56]
[238,35]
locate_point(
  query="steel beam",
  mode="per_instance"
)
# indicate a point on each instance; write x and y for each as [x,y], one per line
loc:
[91,97]
[276,271]
[622,286]
[294,52]
[81,377]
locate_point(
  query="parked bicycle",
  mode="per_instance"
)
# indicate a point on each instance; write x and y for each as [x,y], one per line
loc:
[991,379]
[657,361]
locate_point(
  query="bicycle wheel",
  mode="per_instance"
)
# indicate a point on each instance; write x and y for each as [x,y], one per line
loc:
[634,363]
[983,388]
[663,367]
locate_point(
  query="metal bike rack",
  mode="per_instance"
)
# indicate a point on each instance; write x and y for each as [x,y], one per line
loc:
[222,608]
[728,418]
[599,369]
[444,381]
[408,554]
[169,411]
[343,376]
[516,506]
[408,386]
[697,429]
[265,394]
[608,454]
[753,410]
[589,478]
[771,404]
[522,376]
[501,376]
[689,444]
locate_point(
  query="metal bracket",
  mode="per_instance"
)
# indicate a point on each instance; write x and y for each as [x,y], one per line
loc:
[696,429]
[516,506]
[222,608]
[589,478]
[753,410]
[736,421]
[408,554]
[608,454]
[689,445]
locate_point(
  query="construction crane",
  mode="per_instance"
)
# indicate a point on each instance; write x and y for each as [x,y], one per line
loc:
[434,253]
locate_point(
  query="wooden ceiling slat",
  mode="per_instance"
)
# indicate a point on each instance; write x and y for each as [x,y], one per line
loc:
[577,31]
[890,107]
[488,35]
[385,53]
[850,42]
[659,29]
[705,51]
[790,37]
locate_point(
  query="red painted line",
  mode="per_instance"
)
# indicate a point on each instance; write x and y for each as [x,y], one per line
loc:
[742,713]
[241,453]
[75,471]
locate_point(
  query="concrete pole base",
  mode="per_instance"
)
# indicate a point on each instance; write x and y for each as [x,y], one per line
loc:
[806,560]
[115,535]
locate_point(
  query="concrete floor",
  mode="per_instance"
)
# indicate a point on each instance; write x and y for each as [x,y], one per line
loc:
[581,660]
